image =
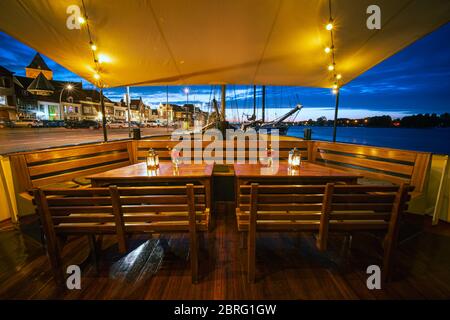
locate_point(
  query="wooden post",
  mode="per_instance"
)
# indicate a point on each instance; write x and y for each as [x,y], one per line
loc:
[102,104]
[7,194]
[441,192]
[53,249]
[335,116]
[118,219]
[251,237]
[322,240]
[263,104]
[390,241]
[193,246]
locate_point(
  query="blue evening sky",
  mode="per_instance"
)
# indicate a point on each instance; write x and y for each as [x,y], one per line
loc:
[415,80]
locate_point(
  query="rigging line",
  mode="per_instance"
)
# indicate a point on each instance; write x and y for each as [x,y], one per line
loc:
[268,39]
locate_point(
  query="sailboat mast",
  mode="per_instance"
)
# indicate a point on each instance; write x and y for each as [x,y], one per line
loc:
[223,102]
[263,104]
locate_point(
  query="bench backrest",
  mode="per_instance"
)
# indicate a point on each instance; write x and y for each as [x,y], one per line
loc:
[160,209]
[396,166]
[281,207]
[322,208]
[121,211]
[40,168]
[240,151]
[361,208]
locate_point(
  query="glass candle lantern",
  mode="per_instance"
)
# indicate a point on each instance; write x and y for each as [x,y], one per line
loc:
[175,156]
[152,160]
[295,159]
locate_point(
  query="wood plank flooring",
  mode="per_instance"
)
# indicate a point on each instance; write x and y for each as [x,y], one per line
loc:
[287,266]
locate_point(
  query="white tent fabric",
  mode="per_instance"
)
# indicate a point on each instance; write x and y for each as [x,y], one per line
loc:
[271,42]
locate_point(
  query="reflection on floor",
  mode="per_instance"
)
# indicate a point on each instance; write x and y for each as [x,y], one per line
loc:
[288,266]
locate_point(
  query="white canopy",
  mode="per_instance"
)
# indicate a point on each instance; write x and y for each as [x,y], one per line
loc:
[271,42]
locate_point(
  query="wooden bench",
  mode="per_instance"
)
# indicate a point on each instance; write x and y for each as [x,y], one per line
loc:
[120,212]
[377,165]
[321,209]
[60,166]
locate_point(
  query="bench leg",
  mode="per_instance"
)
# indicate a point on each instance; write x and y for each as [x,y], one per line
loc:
[387,260]
[243,240]
[251,256]
[194,257]
[94,252]
[54,255]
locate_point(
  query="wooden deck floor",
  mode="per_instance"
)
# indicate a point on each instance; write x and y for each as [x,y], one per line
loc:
[288,267]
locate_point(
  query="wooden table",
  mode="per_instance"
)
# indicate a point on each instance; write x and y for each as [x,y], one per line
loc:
[308,173]
[138,173]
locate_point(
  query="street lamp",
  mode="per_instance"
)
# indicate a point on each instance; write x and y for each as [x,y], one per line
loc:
[67,87]
[186,91]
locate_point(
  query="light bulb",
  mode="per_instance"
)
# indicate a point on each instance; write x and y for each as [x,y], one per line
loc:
[103,58]
[335,86]
[329,26]
[327,50]
[335,91]
[81,20]
[338,76]
[93,47]
[96,76]
[331,67]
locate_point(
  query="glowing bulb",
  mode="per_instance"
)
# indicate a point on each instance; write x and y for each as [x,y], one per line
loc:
[96,76]
[330,67]
[335,86]
[338,76]
[81,20]
[335,91]
[103,58]
[186,90]
[69,87]
[93,47]
[329,26]
[327,50]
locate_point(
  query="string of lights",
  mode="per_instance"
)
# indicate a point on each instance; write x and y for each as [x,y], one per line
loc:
[331,51]
[98,58]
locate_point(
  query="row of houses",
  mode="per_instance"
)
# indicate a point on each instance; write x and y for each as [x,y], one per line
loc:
[38,96]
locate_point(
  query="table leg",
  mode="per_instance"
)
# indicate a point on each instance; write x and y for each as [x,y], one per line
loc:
[207,184]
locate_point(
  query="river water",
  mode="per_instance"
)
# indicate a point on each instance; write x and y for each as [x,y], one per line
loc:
[435,140]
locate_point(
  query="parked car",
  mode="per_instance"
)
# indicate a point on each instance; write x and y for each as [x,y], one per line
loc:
[4,123]
[27,123]
[116,125]
[149,124]
[53,123]
[135,124]
[91,124]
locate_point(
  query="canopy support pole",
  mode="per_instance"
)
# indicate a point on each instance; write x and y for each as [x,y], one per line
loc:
[254,102]
[167,108]
[102,104]
[263,104]
[128,111]
[223,101]
[335,116]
